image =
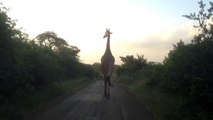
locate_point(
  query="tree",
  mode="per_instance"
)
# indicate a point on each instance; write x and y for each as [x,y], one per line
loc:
[131,64]
[188,70]
[7,32]
[204,21]
[10,77]
[50,40]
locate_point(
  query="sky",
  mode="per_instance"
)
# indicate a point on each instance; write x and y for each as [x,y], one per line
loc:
[139,27]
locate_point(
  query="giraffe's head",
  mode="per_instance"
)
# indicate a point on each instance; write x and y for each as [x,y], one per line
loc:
[107,33]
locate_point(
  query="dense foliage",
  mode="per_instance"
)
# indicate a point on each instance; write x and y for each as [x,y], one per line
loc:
[29,67]
[186,74]
[131,64]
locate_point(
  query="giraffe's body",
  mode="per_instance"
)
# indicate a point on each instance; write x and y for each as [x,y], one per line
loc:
[107,61]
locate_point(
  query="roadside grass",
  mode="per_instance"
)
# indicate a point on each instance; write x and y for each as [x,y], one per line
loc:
[35,102]
[154,99]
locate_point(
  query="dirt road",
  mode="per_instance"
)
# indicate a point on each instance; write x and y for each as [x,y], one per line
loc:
[89,104]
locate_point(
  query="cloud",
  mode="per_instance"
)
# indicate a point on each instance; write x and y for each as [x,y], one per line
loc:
[157,45]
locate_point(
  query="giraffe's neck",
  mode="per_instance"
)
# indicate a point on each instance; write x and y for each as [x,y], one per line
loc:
[108,44]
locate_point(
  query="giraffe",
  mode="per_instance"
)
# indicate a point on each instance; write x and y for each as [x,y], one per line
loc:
[107,64]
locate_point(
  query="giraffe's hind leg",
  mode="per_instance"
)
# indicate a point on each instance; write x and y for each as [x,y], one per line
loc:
[105,86]
[108,87]
[109,81]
